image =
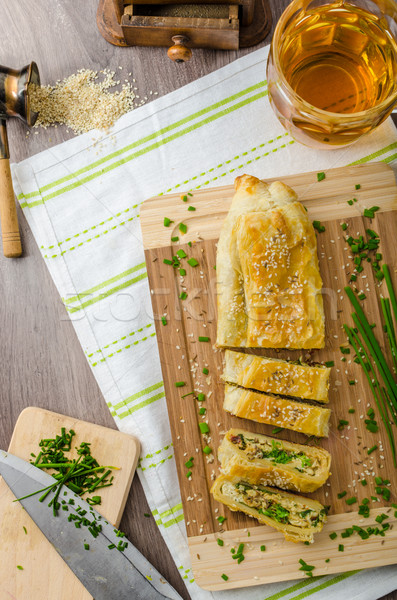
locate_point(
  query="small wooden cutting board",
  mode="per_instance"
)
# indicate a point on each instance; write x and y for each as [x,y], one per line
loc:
[45,575]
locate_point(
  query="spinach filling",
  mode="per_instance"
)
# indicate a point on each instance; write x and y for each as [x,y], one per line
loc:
[277,454]
[275,510]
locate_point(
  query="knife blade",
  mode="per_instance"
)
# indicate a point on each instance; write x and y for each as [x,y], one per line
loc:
[105,572]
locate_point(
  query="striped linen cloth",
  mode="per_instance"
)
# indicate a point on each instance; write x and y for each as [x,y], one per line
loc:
[82,202]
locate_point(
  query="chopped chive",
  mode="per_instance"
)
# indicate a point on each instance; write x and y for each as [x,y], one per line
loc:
[341,548]
[20,567]
[184,198]
[181,253]
[86,546]
[225,577]
[205,371]
[111,546]
[183,295]
[263,548]
[221,519]
[182,228]
[191,208]
[327,560]
[351,500]
[189,463]
[167,261]
[358,186]
[219,542]
[277,430]
[370,450]
[362,296]
[363,482]
[342,423]
[182,272]
[163,320]
[320,176]
[333,535]
[342,494]
[351,411]
[167,222]
[204,338]
[25,530]
[345,349]
[344,226]
[202,410]
[207,449]
[188,474]
[329,363]
[204,427]
[175,238]
[200,397]
[318,227]
[350,202]
[180,384]
[193,262]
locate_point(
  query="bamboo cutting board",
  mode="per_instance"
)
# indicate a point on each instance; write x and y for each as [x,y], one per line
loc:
[45,574]
[183,357]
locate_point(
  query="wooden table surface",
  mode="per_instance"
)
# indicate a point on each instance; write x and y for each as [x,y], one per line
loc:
[61,36]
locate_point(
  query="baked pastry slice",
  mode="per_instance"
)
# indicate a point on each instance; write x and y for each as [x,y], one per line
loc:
[277,411]
[268,281]
[277,376]
[298,518]
[261,459]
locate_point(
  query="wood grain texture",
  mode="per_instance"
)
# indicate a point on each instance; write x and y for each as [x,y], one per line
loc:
[183,357]
[36,328]
[32,550]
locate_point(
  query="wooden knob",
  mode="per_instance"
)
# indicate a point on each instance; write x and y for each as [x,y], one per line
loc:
[179,52]
[8,213]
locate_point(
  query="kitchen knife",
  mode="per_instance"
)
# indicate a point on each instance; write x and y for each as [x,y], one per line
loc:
[105,571]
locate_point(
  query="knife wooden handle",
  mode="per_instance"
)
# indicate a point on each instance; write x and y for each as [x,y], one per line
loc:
[8,213]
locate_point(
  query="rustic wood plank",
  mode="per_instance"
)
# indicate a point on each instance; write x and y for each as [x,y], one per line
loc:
[183,357]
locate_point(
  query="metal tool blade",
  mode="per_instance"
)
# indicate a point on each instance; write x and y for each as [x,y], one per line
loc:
[106,573]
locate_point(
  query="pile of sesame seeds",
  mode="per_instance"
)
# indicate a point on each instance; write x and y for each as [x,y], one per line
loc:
[83,101]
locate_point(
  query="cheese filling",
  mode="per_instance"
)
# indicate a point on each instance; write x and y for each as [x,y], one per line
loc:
[282,509]
[276,453]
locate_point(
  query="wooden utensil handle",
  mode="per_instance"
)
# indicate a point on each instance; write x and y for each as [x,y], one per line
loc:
[8,213]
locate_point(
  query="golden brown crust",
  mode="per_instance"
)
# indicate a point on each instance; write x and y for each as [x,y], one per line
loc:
[221,492]
[296,475]
[277,376]
[277,411]
[268,282]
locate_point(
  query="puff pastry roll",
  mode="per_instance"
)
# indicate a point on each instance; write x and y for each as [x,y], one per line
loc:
[277,376]
[296,517]
[274,410]
[261,459]
[268,281]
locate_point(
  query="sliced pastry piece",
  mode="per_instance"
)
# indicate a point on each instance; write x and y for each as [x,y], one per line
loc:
[261,459]
[277,376]
[298,518]
[274,410]
[268,281]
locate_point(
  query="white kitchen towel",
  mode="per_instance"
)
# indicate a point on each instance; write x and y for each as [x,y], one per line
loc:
[82,202]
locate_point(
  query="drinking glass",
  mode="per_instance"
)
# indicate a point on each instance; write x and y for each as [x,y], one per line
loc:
[332,69]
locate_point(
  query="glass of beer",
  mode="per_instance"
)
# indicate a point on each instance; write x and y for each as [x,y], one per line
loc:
[332,69]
